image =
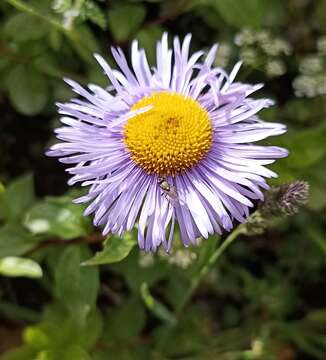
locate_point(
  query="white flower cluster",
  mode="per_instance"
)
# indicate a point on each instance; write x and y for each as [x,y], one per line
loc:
[262,50]
[224,54]
[311,81]
[181,257]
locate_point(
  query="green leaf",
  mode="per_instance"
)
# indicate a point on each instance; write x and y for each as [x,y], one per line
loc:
[319,239]
[125,20]
[18,197]
[57,217]
[17,266]
[317,178]
[93,12]
[48,64]
[36,337]
[15,241]
[85,44]
[126,320]
[115,249]
[147,38]
[28,89]
[177,286]
[75,352]
[17,312]
[241,13]
[4,62]
[92,330]
[76,286]
[3,204]
[95,76]
[135,274]
[21,353]
[156,307]
[306,148]
[63,327]
[23,27]
[205,252]
[190,336]
[138,350]
[55,39]
[320,15]
[60,6]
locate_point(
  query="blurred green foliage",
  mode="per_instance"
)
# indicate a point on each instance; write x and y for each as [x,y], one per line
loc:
[264,299]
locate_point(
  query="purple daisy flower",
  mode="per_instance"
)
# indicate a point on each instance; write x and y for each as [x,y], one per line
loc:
[167,144]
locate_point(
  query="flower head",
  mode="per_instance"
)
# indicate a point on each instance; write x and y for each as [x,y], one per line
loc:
[166,145]
[285,199]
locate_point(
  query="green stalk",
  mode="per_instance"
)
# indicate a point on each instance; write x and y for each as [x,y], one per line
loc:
[66,29]
[205,269]
[23,7]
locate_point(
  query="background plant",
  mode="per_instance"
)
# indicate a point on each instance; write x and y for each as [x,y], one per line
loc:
[259,296]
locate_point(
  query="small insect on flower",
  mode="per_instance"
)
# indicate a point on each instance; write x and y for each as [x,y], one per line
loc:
[170,191]
[167,144]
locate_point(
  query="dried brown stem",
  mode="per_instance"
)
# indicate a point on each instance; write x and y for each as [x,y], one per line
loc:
[90,239]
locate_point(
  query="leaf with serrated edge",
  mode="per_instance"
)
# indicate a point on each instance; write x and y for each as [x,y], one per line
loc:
[115,249]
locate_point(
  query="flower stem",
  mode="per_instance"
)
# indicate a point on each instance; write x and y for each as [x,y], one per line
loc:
[211,261]
[23,7]
[66,29]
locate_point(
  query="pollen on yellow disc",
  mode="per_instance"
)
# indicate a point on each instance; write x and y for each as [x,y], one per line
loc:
[171,137]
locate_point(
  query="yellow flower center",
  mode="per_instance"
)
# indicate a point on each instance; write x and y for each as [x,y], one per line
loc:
[174,135]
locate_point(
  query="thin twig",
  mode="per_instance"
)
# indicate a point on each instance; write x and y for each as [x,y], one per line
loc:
[23,7]
[91,239]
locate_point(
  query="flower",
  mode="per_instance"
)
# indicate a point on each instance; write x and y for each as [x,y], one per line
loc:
[166,145]
[285,199]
